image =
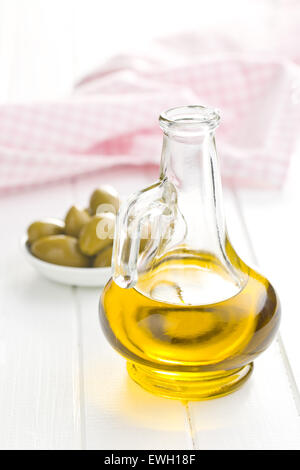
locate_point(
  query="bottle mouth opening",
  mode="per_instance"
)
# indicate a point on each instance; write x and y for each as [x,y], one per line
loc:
[189,119]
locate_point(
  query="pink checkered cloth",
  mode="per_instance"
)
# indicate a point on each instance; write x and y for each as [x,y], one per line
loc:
[112,119]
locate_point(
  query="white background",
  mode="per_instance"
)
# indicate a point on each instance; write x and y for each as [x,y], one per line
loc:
[45,44]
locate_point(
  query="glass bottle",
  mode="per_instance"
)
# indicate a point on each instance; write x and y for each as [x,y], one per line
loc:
[184,310]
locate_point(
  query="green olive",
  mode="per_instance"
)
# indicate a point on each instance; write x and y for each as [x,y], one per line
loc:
[104,199]
[41,229]
[103,259]
[60,249]
[75,220]
[97,234]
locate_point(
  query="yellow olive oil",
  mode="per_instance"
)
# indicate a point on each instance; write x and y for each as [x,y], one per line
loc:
[187,330]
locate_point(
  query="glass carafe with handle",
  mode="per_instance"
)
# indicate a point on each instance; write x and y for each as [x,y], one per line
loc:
[182,307]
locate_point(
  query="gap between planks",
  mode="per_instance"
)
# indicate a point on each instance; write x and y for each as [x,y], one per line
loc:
[79,381]
[190,425]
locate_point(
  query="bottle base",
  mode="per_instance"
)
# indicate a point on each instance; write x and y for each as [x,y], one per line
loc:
[190,386]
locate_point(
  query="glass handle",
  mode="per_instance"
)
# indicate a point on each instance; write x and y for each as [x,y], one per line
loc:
[156,205]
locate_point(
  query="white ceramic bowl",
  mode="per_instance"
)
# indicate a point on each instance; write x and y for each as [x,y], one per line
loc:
[83,277]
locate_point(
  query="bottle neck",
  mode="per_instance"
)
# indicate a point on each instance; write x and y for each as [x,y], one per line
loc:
[192,166]
[184,210]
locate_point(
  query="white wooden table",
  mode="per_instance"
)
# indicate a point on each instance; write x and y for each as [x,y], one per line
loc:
[61,384]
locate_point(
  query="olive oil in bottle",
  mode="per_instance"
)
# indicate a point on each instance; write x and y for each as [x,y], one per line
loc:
[172,342]
[185,311]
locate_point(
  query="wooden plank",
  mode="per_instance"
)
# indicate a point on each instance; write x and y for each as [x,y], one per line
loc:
[118,413]
[40,377]
[262,414]
[40,385]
